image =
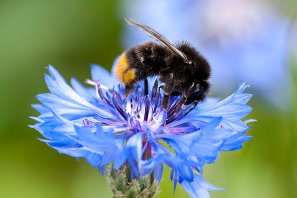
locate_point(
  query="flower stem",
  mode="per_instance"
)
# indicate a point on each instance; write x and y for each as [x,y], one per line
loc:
[123,186]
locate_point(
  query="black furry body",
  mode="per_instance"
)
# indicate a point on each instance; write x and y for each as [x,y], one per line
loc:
[189,79]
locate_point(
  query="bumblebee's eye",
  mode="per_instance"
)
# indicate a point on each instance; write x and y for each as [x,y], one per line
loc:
[192,63]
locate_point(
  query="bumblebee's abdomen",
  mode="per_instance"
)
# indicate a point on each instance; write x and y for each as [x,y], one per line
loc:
[140,62]
[123,71]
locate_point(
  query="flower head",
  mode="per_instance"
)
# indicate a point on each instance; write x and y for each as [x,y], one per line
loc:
[107,128]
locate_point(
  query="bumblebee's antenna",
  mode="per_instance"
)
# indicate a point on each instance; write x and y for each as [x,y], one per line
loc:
[155,35]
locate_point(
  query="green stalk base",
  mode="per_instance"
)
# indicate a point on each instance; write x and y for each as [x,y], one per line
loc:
[123,186]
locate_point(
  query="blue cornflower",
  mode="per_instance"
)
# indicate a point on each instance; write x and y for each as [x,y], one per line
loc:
[249,44]
[134,134]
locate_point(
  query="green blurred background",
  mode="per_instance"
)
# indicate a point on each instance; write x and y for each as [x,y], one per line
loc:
[73,34]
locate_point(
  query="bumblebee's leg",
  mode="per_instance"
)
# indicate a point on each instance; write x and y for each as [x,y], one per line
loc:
[185,95]
[129,88]
[196,97]
[145,87]
[194,106]
[167,91]
[165,101]
[199,93]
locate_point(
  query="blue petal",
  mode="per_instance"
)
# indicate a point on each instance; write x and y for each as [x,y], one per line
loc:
[64,94]
[186,172]
[102,76]
[235,141]
[198,188]
[158,172]
[119,160]
[161,155]
[133,150]
[86,93]
[98,141]
[93,158]
[56,75]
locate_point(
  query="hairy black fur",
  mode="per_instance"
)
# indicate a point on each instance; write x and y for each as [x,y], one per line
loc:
[189,79]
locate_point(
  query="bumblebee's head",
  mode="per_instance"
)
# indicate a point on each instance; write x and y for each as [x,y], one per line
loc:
[200,68]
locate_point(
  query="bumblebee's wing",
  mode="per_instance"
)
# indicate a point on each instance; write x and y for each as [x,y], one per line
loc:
[155,35]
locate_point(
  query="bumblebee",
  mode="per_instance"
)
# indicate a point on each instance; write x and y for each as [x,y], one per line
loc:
[181,68]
